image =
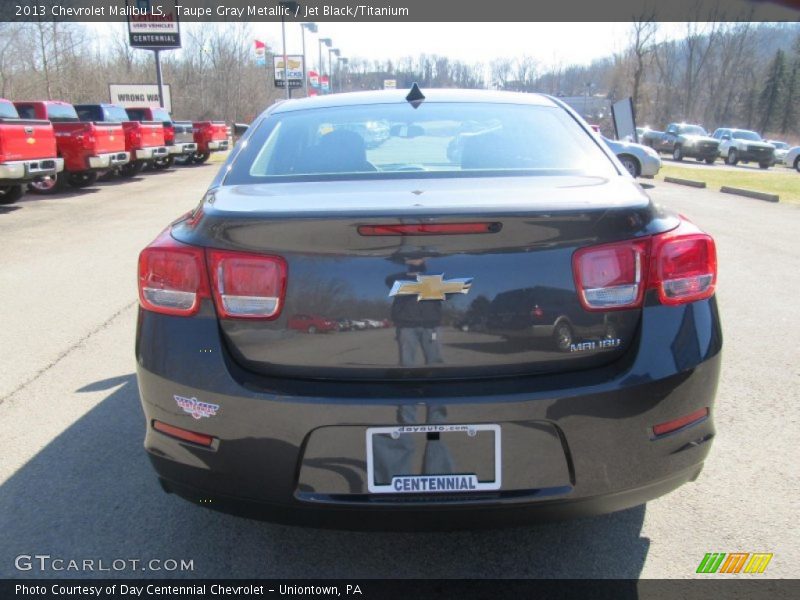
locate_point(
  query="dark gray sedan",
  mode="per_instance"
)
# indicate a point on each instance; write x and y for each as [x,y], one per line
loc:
[517,332]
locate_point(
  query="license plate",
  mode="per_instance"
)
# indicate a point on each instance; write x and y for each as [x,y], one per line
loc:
[433,459]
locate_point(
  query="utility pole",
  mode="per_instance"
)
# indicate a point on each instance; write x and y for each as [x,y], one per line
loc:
[159,77]
[312,27]
[328,42]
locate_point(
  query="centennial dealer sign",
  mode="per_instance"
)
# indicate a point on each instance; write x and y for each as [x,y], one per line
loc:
[153,24]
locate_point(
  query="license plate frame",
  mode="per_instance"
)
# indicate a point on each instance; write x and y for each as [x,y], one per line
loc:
[463,482]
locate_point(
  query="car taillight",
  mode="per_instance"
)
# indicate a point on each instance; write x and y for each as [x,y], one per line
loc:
[680,264]
[684,265]
[169,135]
[609,277]
[172,277]
[247,286]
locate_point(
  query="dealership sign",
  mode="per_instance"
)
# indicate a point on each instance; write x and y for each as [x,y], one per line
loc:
[135,95]
[295,71]
[153,24]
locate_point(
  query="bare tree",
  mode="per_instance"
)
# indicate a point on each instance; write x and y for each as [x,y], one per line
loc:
[643,34]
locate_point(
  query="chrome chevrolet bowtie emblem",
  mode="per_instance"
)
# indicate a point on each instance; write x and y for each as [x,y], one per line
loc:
[431,287]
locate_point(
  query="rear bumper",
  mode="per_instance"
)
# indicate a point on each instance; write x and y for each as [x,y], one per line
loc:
[28,170]
[106,161]
[574,444]
[182,148]
[152,152]
[217,145]
[509,512]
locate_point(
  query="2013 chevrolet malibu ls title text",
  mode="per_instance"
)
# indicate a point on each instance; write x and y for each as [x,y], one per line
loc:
[513,329]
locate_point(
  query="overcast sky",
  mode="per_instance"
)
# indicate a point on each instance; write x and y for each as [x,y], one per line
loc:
[549,43]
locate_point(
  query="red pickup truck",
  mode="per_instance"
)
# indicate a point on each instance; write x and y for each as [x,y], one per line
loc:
[87,148]
[27,152]
[143,140]
[178,135]
[211,136]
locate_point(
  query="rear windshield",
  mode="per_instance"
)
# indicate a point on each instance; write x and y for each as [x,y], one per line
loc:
[746,135]
[61,112]
[437,139]
[7,111]
[161,114]
[115,113]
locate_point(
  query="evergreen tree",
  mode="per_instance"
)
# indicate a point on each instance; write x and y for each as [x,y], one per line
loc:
[769,101]
[791,93]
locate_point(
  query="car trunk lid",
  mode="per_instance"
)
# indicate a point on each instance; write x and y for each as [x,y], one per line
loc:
[507,298]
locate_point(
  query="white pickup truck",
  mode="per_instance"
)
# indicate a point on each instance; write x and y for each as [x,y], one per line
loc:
[742,145]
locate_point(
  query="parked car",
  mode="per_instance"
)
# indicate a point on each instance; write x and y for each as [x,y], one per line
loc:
[744,145]
[27,152]
[178,135]
[144,140]
[542,313]
[417,425]
[792,158]
[211,136]
[88,149]
[781,148]
[684,140]
[311,324]
[638,160]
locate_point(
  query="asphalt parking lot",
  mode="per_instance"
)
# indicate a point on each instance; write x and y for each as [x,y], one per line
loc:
[75,482]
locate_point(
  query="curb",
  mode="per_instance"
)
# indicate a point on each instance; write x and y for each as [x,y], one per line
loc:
[750,194]
[689,182]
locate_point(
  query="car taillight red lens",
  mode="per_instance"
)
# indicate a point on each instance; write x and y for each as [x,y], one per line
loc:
[247,286]
[680,264]
[172,278]
[684,265]
[609,277]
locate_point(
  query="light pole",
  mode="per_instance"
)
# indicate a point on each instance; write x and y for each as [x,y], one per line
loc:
[330,66]
[312,28]
[343,61]
[589,86]
[291,7]
[328,42]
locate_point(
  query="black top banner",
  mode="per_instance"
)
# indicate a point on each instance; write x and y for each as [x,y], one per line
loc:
[402,10]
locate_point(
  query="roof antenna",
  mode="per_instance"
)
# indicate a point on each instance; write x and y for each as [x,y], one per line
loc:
[415,96]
